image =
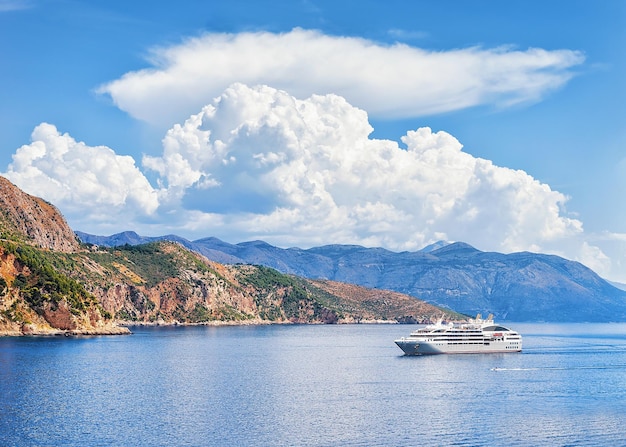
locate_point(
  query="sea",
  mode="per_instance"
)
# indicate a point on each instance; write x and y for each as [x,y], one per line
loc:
[312,385]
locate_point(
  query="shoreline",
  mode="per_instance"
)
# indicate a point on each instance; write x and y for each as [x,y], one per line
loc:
[255,322]
[122,327]
[51,332]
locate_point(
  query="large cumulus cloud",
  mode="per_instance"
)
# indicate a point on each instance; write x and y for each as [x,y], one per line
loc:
[386,80]
[307,172]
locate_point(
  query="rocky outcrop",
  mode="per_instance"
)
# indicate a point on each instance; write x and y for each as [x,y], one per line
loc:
[17,317]
[385,304]
[37,220]
[36,298]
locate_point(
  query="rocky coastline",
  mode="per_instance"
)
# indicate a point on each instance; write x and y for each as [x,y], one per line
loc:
[39,331]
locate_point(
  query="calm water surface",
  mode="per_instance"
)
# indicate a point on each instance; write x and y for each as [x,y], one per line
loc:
[311,386]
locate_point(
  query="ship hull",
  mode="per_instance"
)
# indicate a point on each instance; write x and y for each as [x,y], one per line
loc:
[419,347]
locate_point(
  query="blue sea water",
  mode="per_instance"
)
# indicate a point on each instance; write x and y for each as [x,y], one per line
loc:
[345,385]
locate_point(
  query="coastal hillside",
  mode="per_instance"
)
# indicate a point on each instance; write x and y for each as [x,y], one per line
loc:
[163,282]
[37,296]
[517,287]
[52,284]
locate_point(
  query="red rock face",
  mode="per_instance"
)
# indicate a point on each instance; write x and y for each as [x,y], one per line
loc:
[59,316]
[36,219]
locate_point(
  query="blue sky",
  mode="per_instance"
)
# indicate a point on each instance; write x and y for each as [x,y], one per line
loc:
[523,101]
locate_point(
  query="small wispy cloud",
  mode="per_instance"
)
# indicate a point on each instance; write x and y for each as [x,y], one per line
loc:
[15,5]
[404,35]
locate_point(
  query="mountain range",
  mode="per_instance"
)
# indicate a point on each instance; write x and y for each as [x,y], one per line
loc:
[516,287]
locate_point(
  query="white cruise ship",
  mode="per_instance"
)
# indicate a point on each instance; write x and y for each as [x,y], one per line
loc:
[473,337]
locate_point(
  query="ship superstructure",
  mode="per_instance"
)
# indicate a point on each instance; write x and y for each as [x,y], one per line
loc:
[474,336]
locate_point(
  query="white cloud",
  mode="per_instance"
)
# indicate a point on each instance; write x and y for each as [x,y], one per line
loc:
[306,172]
[386,80]
[89,184]
[612,263]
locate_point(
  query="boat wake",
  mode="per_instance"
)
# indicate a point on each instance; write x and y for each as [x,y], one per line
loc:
[560,368]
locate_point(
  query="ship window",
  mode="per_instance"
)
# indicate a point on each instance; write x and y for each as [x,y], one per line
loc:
[496,328]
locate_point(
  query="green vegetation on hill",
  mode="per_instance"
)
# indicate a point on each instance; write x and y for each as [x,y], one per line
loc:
[164,282]
[280,296]
[153,262]
[44,282]
[148,261]
[8,231]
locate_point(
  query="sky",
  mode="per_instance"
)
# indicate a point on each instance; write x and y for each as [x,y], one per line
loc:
[303,123]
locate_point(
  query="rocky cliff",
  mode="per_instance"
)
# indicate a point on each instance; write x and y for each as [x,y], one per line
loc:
[35,296]
[33,220]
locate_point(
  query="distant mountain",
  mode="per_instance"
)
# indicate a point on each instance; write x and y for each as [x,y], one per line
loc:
[126,238]
[516,287]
